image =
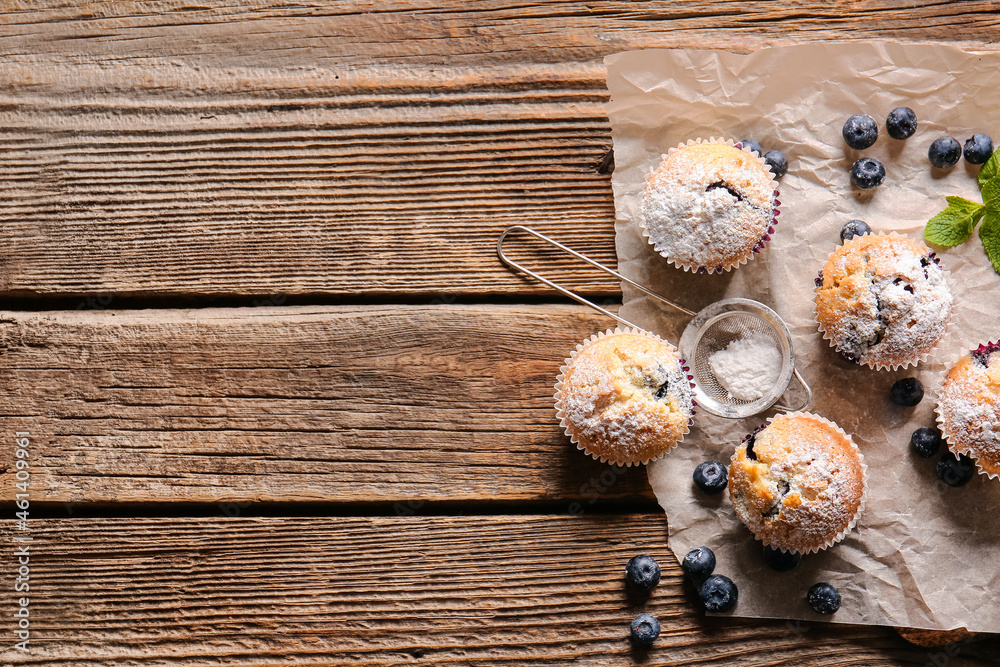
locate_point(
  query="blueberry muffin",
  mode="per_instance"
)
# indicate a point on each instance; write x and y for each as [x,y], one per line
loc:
[883,300]
[709,206]
[968,409]
[625,397]
[798,483]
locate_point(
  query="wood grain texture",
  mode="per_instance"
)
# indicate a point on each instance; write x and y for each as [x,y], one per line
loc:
[345,404]
[259,148]
[529,590]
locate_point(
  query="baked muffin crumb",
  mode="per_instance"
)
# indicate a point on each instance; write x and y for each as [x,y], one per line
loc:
[625,397]
[968,409]
[709,206]
[798,483]
[882,300]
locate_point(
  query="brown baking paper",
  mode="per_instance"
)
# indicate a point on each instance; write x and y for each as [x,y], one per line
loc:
[924,554]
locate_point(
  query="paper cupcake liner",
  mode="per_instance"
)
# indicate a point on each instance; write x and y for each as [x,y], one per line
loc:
[558,396]
[953,439]
[880,365]
[743,259]
[864,486]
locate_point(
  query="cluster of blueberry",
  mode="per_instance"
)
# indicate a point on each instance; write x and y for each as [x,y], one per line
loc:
[926,442]
[776,160]
[861,131]
[945,151]
[719,593]
[642,573]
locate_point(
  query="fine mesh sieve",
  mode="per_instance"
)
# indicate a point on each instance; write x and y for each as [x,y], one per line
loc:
[710,330]
[713,329]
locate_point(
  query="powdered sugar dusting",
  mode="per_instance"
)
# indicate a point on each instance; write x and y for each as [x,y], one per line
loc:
[708,210]
[969,409]
[799,483]
[747,368]
[625,397]
[882,301]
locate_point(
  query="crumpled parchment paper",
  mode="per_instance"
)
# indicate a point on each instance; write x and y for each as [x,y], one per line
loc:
[925,555]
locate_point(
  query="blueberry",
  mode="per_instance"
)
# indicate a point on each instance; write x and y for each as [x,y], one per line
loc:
[867,173]
[718,593]
[778,163]
[711,477]
[854,228]
[860,131]
[907,392]
[751,145]
[823,598]
[645,629]
[978,149]
[901,123]
[944,152]
[698,564]
[781,561]
[955,471]
[642,572]
[926,442]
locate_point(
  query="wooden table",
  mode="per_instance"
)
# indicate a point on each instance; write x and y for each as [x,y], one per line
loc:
[285,406]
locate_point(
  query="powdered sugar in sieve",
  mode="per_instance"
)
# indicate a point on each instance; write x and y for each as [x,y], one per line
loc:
[715,328]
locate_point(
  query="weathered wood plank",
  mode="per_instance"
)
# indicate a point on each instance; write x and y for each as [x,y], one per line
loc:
[268,33]
[522,590]
[260,148]
[345,404]
[388,182]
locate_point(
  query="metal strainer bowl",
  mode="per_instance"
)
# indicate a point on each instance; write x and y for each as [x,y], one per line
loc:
[714,328]
[711,329]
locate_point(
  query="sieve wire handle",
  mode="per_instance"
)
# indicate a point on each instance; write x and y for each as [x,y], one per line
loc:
[571,294]
[804,404]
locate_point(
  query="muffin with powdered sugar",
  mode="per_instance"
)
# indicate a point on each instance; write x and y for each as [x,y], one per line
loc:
[709,206]
[883,300]
[968,408]
[798,483]
[625,397]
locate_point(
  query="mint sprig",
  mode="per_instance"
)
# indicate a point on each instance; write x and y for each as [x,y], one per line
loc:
[955,224]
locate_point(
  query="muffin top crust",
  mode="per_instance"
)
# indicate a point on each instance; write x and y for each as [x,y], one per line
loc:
[626,398]
[969,407]
[798,483]
[883,300]
[708,206]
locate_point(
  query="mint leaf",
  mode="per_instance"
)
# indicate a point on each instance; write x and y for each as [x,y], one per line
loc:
[989,234]
[990,170]
[954,224]
[991,193]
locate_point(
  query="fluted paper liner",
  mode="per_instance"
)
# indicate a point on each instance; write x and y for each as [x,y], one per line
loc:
[558,396]
[919,557]
[765,236]
[954,440]
[916,358]
[861,505]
